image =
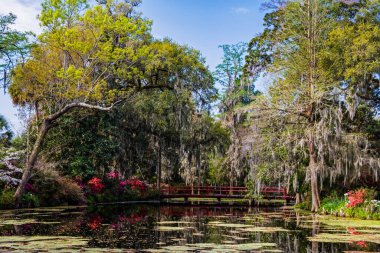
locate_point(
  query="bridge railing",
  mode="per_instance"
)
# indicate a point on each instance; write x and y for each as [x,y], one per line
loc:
[266,191]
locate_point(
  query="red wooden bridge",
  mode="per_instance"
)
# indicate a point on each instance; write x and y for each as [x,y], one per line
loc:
[219,192]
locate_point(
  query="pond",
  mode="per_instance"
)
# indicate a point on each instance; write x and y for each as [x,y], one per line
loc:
[171,228]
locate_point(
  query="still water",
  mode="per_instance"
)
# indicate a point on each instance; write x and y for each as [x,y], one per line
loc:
[153,228]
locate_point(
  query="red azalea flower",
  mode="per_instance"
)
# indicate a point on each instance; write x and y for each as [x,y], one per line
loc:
[356,198]
[136,184]
[96,185]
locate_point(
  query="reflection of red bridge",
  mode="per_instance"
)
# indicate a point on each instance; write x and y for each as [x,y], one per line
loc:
[219,192]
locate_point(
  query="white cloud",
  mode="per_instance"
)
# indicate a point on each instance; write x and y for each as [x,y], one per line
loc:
[26,12]
[240,10]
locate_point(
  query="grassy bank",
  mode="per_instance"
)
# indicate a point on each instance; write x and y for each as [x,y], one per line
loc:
[359,204]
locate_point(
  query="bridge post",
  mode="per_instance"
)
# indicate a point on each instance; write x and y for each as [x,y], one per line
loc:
[186,199]
[219,199]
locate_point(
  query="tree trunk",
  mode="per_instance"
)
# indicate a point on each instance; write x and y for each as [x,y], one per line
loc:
[198,164]
[298,198]
[48,123]
[32,159]
[313,177]
[159,164]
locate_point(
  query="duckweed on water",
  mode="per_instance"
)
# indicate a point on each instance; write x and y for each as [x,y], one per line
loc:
[212,247]
[169,229]
[229,225]
[345,238]
[265,229]
[18,222]
[132,231]
[354,223]
[41,243]
[174,222]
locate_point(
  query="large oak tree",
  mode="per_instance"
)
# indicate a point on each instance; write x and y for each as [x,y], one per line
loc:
[96,58]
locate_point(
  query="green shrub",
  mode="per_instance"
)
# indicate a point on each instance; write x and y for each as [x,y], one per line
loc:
[357,212]
[151,194]
[7,199]
[30,200]
[306,205]
[332,205]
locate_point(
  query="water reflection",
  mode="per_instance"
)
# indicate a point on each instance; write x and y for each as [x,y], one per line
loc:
[153,228]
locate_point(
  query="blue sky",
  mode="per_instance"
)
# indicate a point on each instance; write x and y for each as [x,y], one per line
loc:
[201,24]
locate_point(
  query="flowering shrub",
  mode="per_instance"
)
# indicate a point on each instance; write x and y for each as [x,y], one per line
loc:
[96,185]
[113,175]
[136,184]
[123,184]
[356,197]
[112,189]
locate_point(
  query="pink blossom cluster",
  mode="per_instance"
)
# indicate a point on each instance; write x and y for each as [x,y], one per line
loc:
[113,175]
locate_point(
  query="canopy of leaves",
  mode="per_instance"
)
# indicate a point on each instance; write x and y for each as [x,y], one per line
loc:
[14,47]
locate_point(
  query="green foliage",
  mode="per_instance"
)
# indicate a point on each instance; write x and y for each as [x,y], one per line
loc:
[56,13]
[14,46]
[30,200]
[216,173]
[338,206]
[305,205]
[5,133]
[322,62]
[237,89]
[332,205]
[253,192]
[100,56]
[6,198]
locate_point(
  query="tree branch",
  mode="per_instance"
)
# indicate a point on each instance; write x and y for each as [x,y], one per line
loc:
[71,106]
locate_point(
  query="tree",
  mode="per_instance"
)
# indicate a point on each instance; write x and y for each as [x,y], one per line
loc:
[14,46]
[5,133]
[238,91]
[93,58]
[308,98]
